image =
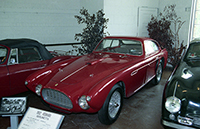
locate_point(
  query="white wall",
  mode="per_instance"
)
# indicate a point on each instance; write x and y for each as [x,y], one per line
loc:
[43,20]
[92,5]
[48,21]
[52,21]
[183,8]
[123,15]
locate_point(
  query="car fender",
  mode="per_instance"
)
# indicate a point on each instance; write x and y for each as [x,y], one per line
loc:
[44,75]
[165,56]
[100,91]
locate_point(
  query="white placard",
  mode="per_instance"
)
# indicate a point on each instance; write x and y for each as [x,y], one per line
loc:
[40,119]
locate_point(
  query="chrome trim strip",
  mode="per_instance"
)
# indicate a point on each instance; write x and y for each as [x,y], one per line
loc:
[135,71]
[174,125]
[73,73]
[143,84]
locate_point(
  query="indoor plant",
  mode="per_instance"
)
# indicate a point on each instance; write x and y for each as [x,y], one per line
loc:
[165,29]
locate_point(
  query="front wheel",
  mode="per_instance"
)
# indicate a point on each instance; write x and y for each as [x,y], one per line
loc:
[111,108]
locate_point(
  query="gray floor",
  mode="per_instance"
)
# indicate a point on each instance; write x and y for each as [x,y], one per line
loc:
[140,111]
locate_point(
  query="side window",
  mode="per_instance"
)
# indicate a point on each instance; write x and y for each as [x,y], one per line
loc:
[28,54]
[13,57]
[155,46]
[115,43]
[150,47]
[3,54]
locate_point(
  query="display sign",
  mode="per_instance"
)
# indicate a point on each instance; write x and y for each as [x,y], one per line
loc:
[13,105]
[40,119]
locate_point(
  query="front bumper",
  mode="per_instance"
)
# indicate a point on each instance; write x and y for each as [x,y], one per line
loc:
[175,125]
[59,101]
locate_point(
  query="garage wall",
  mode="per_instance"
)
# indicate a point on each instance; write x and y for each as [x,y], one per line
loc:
[52,21]
[46,21]
[183,10]
[49,21]
[124,15]
[92,5]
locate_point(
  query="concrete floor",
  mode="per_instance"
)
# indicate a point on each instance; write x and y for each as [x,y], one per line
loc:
[140,111]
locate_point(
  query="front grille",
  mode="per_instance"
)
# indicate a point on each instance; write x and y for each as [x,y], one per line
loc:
[193,111]
[57,98]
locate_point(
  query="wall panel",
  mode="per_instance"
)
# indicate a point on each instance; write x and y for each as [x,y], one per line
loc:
[48,21]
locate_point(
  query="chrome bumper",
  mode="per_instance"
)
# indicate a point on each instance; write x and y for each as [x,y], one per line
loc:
[174,125]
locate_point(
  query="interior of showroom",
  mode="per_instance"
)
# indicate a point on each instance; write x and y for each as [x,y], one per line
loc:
[52,22]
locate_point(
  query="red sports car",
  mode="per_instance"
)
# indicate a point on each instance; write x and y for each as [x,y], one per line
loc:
[97,82]
[18,59]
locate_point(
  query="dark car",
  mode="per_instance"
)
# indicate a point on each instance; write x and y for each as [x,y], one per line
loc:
[18,59]
[181,96]
[97,82]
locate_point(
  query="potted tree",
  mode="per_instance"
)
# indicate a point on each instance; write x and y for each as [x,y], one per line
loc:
[92,33]
[165,29]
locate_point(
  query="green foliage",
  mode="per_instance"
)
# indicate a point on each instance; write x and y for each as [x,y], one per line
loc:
[165,29]
[92,33]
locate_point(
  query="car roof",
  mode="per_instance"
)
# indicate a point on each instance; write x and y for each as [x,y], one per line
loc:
[128,37]
[17,43]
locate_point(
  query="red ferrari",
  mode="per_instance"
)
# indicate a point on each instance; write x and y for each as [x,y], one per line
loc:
[18,59]
[118,67]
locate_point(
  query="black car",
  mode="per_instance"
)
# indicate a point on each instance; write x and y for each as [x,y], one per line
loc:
[181,96]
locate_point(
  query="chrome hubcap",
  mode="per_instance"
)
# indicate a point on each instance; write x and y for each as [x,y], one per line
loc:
[114,104]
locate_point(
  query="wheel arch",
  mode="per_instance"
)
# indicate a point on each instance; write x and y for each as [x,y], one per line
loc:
[105,114]
[102,97]
[162,60]
[122,84]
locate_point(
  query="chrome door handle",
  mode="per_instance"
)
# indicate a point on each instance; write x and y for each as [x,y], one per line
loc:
[43,65]
[134,72]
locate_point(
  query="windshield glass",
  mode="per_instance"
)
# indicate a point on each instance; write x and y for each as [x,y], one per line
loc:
[132,47]
[192,56]
[3,53]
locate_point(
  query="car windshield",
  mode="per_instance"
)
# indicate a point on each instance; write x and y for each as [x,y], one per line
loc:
[193,54]
[3,53]
[132,47]
[193,51]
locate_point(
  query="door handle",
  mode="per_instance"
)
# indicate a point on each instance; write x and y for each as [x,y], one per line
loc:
[134,72]
[43,65]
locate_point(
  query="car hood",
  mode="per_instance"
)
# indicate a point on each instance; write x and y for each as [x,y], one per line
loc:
[187,73]
[93,66]
[186,85]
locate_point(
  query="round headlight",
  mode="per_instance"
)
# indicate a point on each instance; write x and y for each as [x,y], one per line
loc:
[38,89]
[173,104]
[83,102]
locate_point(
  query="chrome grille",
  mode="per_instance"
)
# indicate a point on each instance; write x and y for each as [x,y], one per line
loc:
[193,111]
[57,98]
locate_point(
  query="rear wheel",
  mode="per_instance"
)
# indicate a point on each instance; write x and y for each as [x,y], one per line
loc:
[111,108]
[159,72]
